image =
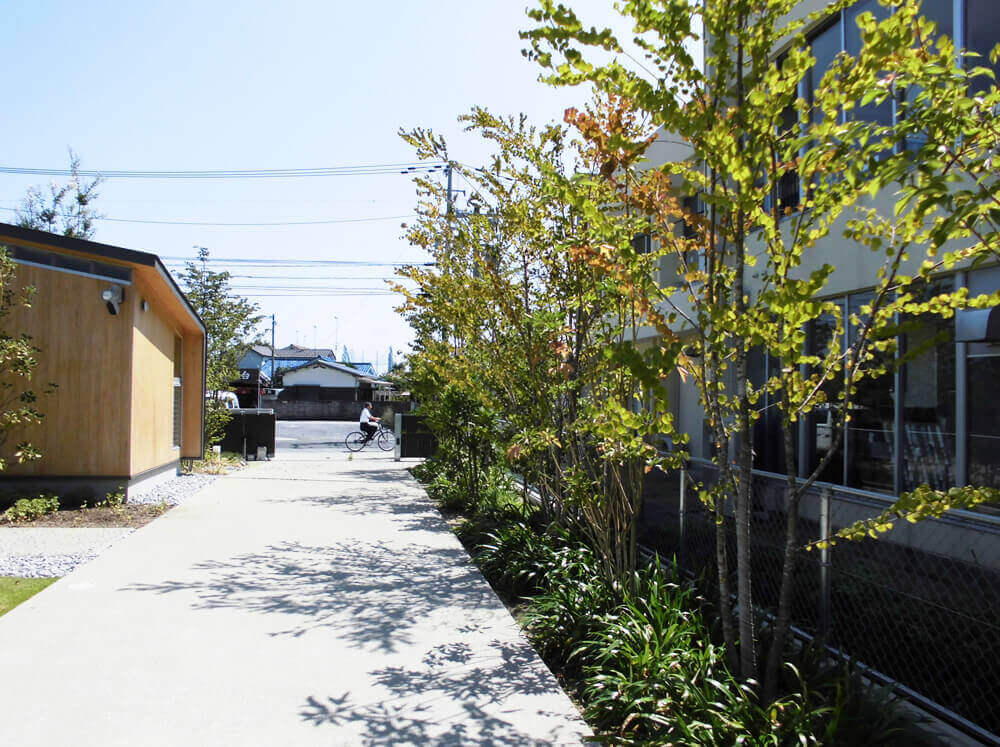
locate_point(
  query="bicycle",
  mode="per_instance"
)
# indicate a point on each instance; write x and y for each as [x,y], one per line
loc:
[384,436]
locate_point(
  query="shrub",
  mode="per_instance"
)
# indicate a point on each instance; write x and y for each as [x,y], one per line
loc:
[653,676]
[523,560]
[26,509]
[568,611]
[114,499]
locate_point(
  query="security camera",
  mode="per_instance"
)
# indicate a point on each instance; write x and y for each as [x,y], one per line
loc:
[113,298]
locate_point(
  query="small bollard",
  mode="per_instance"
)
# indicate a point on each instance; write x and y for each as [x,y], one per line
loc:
[217,450]
[261,453]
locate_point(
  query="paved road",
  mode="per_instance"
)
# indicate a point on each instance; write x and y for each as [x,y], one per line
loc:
[295,435]
[314,599]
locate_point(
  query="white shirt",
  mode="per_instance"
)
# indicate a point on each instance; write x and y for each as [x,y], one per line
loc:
[366,416]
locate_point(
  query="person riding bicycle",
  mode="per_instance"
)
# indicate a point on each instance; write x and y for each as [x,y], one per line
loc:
[368,422]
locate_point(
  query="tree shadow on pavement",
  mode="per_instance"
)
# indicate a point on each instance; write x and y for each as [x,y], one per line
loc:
[409,513]
[388,723]
[391,474]
[497,671]
[370,593]
[484,680]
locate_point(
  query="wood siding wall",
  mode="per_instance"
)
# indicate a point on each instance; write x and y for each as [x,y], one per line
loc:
[86,351]
[192,443]
[152,385]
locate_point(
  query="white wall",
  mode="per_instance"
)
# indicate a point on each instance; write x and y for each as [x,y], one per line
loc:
[319,376]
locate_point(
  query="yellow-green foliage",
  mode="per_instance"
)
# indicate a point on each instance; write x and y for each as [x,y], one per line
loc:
[922,503]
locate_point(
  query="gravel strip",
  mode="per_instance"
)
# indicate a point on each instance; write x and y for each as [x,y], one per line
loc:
[42,566]
[173,491]
[44,552]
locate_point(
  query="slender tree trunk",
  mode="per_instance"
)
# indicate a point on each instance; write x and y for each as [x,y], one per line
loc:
[784,615]
[744,495]
[722,558]
[744,468]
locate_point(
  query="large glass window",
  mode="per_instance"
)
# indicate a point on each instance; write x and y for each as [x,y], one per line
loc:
[983,404]
[768,436]
[878,113]
[870,432]
[942,12]
[982,34]
[929,397]
[825,46]
[822,421]
[852,34]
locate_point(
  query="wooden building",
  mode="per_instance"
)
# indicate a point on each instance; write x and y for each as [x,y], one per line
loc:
[127,353]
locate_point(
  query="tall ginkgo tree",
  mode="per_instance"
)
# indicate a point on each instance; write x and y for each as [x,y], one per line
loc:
[748,273]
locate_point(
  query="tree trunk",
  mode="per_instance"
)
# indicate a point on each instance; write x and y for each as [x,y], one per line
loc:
[722,562]
[783,621]
[744,495]
[744,469]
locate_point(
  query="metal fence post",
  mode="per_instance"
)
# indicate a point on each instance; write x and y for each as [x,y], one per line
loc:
[682,554]
[398,428]
[825,590]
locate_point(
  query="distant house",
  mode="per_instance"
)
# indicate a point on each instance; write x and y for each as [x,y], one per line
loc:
[127,351]
[340,380]
[258,358]
[324,389]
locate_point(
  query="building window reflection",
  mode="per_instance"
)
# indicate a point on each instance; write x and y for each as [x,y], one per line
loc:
[822,421]
[929,397]
[982,403]
[870,437]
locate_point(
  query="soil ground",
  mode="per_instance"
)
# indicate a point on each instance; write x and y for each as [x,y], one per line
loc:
[129,515]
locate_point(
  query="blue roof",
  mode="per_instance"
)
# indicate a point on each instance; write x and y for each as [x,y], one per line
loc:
[282,364]
[288,364]
[366,368]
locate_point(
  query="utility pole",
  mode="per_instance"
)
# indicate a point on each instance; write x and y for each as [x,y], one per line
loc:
[449,200]
[272,351]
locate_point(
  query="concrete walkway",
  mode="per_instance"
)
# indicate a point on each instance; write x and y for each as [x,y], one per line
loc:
[310,600]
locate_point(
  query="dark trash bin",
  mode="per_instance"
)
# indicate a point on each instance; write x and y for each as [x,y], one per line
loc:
[414,437]
[248,429]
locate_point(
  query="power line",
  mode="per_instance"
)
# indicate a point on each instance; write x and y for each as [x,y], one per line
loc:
[322,221]
[319,277]
[367,170]
[316,294]
[249,262]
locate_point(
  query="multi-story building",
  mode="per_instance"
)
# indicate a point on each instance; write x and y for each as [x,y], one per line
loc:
[921,605]
[935,420]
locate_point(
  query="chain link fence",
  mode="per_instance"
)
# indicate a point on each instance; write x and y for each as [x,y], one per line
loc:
[920,605]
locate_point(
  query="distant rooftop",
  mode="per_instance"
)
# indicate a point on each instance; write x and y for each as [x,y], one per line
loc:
[294,351]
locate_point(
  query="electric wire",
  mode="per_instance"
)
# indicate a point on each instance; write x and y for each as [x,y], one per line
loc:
[318,222]
[361,170]
[289,263]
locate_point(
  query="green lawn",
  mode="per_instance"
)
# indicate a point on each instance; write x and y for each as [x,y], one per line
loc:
[13,591]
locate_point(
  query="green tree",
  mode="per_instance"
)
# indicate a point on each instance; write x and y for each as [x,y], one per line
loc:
[18,360]
[230,322]
[507,319]
[66,209]
[747,274]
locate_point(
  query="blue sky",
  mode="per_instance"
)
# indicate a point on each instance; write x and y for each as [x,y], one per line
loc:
[253,85]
